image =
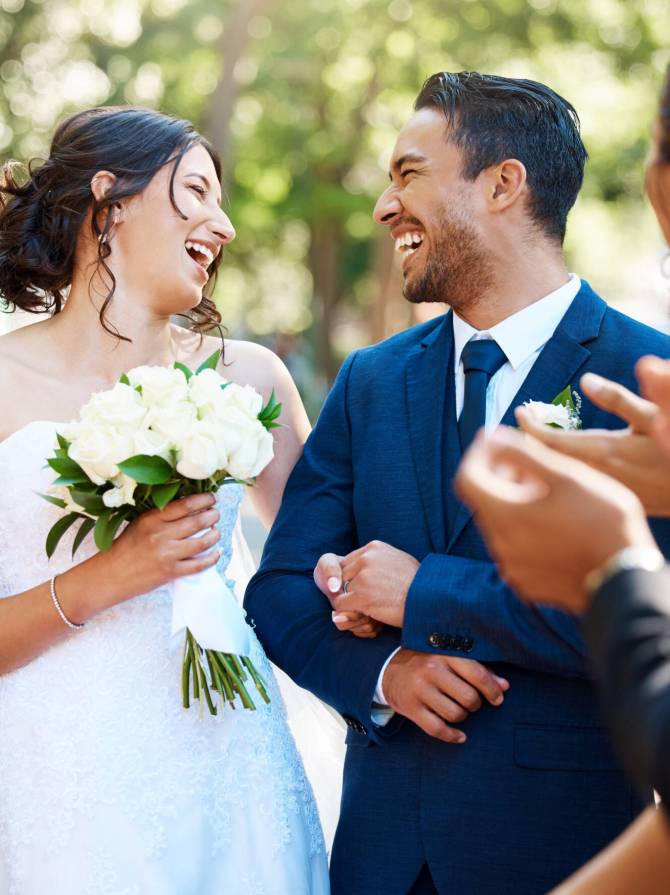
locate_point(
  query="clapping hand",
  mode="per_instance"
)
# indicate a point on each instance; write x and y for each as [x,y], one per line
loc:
[548,519]
[637,456]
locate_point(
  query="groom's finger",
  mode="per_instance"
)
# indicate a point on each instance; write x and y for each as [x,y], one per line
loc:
[491,687]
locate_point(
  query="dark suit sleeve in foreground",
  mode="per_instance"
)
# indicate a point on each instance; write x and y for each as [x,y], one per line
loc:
[628,631]
[292,617]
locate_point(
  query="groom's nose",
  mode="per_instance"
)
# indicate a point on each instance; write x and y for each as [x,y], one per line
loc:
[388,206]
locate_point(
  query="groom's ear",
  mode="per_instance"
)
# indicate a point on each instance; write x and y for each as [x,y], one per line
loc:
[504,184]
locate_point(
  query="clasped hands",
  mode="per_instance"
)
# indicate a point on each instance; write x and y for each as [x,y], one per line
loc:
[368,589]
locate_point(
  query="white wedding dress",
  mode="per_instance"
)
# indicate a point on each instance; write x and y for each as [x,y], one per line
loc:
[108,786]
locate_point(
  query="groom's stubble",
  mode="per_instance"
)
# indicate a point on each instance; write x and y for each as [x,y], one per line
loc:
[459,271]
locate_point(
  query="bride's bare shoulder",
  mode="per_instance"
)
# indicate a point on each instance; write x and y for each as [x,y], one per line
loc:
[254,364]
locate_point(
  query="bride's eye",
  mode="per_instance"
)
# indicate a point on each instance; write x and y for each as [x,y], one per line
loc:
[198,189]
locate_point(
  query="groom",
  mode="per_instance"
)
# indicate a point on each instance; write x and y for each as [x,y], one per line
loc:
[454,782]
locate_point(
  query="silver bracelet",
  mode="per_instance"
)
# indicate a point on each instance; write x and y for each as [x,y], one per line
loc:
[52,587]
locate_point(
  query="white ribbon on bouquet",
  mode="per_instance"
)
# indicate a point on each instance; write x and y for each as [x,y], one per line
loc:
[205,605]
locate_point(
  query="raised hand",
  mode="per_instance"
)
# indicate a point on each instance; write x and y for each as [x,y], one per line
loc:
[548,519]
[328,578]
[436,692]
[637,456]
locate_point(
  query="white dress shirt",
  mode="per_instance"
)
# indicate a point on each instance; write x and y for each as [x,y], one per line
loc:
[522,337]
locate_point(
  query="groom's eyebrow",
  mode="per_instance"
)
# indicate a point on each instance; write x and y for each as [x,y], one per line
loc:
[414,157]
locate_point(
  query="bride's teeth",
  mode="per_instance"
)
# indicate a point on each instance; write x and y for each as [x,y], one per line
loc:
[201,250]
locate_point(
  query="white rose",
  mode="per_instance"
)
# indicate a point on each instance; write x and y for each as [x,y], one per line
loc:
[122,492]
[119,408]
[248,444]
[242,398]
[206,393]
[98,449]
[151,442]
[552,414]
[174,423]
[161,386]
[200,453]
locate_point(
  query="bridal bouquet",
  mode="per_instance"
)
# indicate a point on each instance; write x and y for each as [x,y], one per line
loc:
[159,434]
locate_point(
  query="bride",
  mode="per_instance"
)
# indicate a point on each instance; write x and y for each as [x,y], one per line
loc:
[106,784]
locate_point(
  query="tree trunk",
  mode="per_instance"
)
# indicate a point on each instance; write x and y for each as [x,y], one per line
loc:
[325,262]
[234,41]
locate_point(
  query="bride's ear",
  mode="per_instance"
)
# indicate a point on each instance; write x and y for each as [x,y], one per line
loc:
[101,184]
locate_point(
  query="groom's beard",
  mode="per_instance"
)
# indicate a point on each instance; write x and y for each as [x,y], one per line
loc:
[458,271]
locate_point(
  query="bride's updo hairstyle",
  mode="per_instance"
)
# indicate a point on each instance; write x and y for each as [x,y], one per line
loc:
[43,204]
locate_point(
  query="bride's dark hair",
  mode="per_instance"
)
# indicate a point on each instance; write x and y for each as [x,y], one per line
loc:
[43,204]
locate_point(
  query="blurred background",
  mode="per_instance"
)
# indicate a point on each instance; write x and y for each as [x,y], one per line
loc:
[304,100]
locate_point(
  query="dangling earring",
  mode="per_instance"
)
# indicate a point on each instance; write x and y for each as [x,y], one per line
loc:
[665,265]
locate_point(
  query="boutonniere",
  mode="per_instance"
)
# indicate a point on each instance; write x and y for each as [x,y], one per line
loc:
[563,412]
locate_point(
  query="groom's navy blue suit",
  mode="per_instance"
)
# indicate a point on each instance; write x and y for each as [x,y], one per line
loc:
[535,790]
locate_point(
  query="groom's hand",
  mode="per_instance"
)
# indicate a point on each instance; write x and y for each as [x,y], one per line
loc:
[437,691]
[378,578]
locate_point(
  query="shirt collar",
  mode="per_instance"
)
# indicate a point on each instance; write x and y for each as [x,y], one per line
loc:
[525,332]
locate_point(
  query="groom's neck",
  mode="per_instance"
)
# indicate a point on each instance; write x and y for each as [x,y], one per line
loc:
[522,275]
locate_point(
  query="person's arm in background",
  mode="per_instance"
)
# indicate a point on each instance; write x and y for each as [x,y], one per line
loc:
[627,628]
[638,862]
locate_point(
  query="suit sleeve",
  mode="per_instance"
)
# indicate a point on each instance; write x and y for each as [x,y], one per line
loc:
[628,630]
[460,606]
[292,617]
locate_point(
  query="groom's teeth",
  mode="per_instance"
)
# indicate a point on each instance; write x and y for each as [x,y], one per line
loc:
[408,242]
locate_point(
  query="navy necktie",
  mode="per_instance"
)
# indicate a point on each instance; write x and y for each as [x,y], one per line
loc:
[481,359]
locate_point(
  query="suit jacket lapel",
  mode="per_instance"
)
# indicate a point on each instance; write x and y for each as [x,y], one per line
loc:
[426,376]
[559,361]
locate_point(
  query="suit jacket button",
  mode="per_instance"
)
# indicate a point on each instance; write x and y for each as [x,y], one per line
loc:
[457,643]
[468,643]
[436,640]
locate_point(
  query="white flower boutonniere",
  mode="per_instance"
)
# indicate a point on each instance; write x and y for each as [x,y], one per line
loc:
[563,412]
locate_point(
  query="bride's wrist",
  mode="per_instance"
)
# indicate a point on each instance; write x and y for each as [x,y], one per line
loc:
[88,588]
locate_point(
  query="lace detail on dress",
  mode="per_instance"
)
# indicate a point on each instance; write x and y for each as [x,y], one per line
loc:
[102,769]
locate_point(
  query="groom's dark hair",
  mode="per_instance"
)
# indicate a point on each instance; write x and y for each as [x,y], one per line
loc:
[491,118]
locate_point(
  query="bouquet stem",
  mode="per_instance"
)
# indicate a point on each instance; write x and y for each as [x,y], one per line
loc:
[224,673]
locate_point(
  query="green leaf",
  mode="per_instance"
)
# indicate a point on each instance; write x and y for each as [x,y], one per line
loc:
[564,398]
[69,480]
[106,527]
[57,531]
[147,470]
[68,468]
[123,379]
[163,494]
[211,363]
[84,529]
[185,370]
[56,501]
[63,443]
[92,503]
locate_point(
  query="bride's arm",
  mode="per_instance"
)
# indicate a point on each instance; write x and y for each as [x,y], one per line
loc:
[154,549]
[638,861]
[262,369]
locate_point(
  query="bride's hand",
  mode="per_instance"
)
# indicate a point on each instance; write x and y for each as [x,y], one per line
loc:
[328,578]
[158,546]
